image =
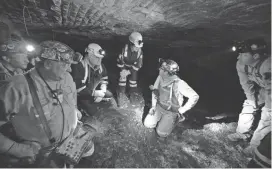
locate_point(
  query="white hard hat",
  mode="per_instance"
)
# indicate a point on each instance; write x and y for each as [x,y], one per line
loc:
[98,51]
[137,39]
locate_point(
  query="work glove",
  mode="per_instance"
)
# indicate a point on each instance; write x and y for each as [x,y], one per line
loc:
[152,111]
[124,73]
[181,117]
[99,93]
[151,87]
[79,114]
[27,149]
[98,99]
[250,103]
[181,111]
[103,87]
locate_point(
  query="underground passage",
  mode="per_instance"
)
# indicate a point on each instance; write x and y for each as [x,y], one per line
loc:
[149,83]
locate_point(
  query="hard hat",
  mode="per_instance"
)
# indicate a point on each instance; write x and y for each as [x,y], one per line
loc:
[256,45]
[97,50]
[58,51]
[170,66]
[137,39]
[13,46]
[78,56]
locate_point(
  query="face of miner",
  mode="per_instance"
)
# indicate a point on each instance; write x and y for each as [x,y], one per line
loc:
[18,60]
[94,57]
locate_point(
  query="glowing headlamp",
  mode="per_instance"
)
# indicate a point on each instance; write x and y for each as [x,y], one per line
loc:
[14,46]
[102,52]
[30,48]
[140,42]
[233,48]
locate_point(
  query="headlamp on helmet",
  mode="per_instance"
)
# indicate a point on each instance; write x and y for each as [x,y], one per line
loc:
[137,39]
[30,48]
[16,46]
[54,50]
[251,46]
[77,57]
[96,49]
[102,52]
[170,66]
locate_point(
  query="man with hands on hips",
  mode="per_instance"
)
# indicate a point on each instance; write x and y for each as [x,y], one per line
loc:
[167,99]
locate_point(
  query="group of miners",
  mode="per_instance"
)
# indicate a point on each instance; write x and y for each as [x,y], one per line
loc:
[61,83]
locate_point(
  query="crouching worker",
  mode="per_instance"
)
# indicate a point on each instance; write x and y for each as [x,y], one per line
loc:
[130,61]
[40,109]
[90,76]
[254,71]
[167,99]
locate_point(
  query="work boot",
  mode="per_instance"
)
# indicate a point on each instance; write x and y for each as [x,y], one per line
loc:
[180,118]
[238,136]
[249,150]
[113,103]
[134,98]
[122,100]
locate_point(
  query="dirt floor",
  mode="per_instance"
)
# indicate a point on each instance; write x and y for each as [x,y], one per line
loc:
[123,141]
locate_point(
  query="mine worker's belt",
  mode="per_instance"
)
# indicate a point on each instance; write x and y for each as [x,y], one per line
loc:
[172,108]
[128,65]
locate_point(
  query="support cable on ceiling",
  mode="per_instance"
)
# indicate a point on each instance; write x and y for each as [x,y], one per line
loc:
[25,7]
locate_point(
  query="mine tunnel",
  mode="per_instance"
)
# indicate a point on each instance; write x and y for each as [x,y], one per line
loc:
[198,35]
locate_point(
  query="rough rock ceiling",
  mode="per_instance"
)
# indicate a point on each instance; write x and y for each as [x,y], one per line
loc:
[170,22]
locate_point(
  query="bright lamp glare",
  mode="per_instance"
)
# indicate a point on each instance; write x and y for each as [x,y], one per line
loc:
[30,48]
[233,48]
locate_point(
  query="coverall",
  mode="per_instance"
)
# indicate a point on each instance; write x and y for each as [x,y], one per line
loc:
[88,80]
[5,73]
[131,61]
[17,107]
[170,97]
[256,83]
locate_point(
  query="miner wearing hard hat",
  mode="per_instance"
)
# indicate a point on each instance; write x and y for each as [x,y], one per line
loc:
[91,78]
[254,71]
[39,106]
[13,58]
[167,99]
[130,62]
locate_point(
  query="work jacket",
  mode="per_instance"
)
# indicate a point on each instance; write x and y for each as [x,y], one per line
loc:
[17,107]
[130,59]
[87,78]
[255,77]
[171,92]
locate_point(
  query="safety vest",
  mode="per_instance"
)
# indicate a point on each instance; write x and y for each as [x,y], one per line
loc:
[167,98]
[254,74]
[127,59]
[126,52]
